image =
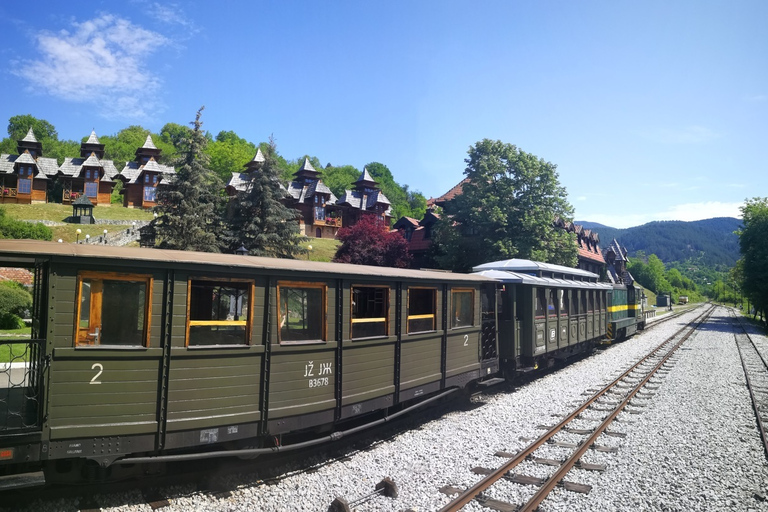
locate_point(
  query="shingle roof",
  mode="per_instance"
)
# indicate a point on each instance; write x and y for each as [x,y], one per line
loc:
[25,158]
[148,144]
[73,167]
[20,275]
[46,166]
[365,176]
[301,191]
[307,166]
[364,201]
[239,181]
[93,139]
[30,137]
[259,157]
[133,170]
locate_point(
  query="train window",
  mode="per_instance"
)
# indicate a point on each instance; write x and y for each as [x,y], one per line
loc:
[219,312]
[370,308]
[583,307]
[541,300]
[551,304]
[113,309]
[591,300]
[301,312]
[564,302]
[574,302]
[463,308]
[422,309]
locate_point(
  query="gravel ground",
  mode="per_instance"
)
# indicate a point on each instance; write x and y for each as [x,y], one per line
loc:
[693,446]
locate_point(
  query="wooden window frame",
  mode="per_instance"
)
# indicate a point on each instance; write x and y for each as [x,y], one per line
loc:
[114,276]
[323,287]
[453,302]
[353,320]
[409,317]
[248,322]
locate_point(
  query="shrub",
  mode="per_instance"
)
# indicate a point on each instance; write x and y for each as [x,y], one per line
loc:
[14,299]
[12,228]
[10,321]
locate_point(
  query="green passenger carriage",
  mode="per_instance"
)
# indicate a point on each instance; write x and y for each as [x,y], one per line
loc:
[545,312]
[152,352]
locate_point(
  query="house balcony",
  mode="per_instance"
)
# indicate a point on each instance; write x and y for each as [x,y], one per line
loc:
[328,221]
[8,192]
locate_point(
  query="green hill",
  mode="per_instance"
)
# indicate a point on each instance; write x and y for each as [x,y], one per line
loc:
[711,242]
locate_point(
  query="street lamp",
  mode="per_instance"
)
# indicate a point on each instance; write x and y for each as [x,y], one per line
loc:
[105,237]
[87,238]
[133,227]
[309,250]
[78,231]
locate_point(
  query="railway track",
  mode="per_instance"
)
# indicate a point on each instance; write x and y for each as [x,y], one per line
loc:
[753,360]
[622,394]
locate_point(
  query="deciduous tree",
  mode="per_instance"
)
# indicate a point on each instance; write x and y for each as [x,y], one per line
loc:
[753,244]
[508,208]
[369,242]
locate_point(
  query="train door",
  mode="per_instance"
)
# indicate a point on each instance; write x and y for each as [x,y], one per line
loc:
[573,316]
[552,319]
[463,348]
[489,353]
[590,314]
[20,375]
[562,324]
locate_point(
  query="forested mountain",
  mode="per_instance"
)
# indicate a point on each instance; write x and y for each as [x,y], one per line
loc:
[711,242]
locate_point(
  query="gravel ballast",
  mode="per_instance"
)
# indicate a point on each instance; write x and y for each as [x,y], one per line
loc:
[693,446]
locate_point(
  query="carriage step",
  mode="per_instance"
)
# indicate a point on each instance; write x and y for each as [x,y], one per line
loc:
[490,382]
[34,479]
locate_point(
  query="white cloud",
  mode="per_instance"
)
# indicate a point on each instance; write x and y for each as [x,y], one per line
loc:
[100,61]
[685,212]
[581,198]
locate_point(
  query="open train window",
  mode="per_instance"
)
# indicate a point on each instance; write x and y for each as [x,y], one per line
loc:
[591,300]
[574,302]
[370,311]
[462,308]
[563,296]
[113,309]
[301,312]
[541,303]
[422,309]
[583,308]
[551,304]
[219,312]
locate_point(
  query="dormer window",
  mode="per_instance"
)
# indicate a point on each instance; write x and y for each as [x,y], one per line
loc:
[88,174]
[146,178]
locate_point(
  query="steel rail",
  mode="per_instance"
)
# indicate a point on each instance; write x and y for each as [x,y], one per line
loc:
[554,480]
[483,484]
[755,405]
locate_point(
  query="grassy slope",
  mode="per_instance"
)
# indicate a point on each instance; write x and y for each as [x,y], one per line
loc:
[323,249]
[68,232]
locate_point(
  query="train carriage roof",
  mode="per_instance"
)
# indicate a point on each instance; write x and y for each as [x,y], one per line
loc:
[26,252]
[535,267]
[549,282]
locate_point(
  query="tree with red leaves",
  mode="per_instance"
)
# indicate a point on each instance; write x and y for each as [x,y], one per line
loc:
[369,242]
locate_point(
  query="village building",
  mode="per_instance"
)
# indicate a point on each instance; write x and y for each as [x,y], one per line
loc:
[365,199]
[89,175]
[616,258]
[142,177]
[590,257]
[320,215]
[418,233]
[240,181]
[24,177]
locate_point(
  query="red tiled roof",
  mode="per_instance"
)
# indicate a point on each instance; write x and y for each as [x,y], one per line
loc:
[418,242]
[586,254]
[20,275]
[455,191]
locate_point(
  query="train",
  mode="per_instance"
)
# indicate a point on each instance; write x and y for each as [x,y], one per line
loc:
[148,355]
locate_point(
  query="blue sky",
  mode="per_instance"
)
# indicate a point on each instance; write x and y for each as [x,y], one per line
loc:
[651,110]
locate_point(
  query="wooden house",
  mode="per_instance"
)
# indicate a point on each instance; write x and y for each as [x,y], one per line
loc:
[142,177]
[365,199]
[24,177]
[239,182]
[90,175]
[321,216]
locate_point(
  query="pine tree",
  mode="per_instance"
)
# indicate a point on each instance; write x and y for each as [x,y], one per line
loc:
[258,220]
[189,208]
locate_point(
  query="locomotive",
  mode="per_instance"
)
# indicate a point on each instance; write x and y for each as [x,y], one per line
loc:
[155,355]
